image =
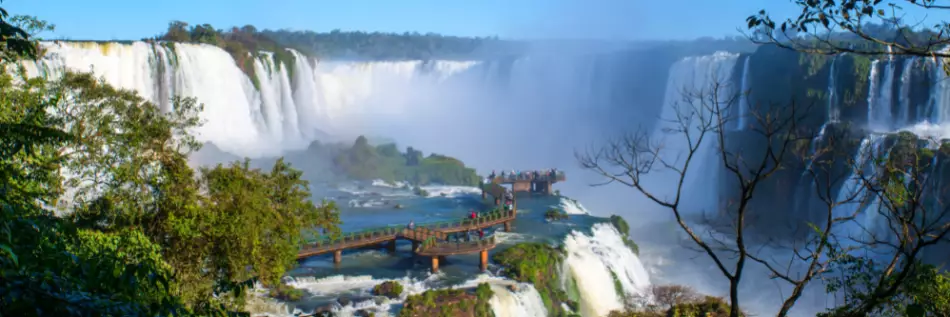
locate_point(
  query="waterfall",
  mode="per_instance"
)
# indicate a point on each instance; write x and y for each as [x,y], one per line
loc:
[834,113]
[853,191]
[744,97]
[696,77]
[903,112]
[605,270]
[523,302]
[872,92]
[266,115]
[880,101]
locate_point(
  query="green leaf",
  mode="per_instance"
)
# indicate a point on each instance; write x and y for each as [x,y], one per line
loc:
[9,250]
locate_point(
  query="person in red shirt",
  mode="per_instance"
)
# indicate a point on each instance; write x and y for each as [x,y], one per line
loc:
[481,233]
[473,214]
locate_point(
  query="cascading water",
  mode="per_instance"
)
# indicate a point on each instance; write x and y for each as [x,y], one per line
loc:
[903,112]
[278,114]
[691,79]
[834,113]
[880,98]
[744,97]
[524,301]
[596,262]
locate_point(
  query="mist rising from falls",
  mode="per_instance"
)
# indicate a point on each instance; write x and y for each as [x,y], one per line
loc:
[281,113]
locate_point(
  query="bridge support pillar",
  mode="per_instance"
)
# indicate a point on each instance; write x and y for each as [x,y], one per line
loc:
[392,246]
[484,262]
[484,195]
[435,264]
[337,256]
[507,226]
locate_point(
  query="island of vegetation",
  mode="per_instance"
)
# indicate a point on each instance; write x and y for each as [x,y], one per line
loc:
[363,161]
[450,303]
[555,214]
[390,289]
[538,264]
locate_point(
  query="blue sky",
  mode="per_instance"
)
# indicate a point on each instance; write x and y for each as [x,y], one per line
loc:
[521,19]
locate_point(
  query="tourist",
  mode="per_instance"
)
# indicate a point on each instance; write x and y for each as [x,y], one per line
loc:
[473,213]
[481,234]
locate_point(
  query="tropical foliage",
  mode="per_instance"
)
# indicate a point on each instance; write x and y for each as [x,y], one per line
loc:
[363,161]
[102,216]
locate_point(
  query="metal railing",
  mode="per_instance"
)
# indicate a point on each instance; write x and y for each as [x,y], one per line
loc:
[434,227]
[457,246]
[530,176]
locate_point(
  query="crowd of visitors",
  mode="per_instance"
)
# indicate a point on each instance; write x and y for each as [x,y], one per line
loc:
[513,175]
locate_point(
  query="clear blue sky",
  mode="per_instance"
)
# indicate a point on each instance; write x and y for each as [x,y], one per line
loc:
[522,19]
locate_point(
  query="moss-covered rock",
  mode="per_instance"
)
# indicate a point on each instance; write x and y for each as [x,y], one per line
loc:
[450,303]
[538,264]
[624,230]
[391,289]
[554,214]
[286,293]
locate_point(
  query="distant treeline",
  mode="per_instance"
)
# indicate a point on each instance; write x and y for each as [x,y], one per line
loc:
[339,44]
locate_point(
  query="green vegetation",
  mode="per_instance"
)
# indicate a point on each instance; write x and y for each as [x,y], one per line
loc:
[555,214]
[450,303]
[707,307]
[377,45]
[143,233]
[677,301]
[286,292]
[391,289]
[244,44]
[538,264]
[624,230]
[365,162]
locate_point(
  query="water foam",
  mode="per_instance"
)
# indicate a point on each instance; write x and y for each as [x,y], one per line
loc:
[572,207]
[590,261]
[525,301]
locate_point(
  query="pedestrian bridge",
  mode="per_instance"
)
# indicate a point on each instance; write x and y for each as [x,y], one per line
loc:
[427,239]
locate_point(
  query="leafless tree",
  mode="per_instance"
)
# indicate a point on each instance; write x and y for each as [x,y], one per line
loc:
[705,117]
[904,190]
[865,27]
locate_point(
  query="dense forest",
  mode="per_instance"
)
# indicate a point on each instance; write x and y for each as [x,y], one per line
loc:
[133,230]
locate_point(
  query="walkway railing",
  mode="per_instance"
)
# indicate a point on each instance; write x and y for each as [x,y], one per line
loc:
[421,232]
[529,176]
[434,247]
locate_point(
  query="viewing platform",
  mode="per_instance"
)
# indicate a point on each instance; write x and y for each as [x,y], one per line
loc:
[533,181]
[427,239]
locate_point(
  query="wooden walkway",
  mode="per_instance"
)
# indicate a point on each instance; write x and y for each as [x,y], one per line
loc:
[435,234]
[445,248]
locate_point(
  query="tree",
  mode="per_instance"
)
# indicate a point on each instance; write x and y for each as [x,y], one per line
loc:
[904,191]
[703,128]
[857,27]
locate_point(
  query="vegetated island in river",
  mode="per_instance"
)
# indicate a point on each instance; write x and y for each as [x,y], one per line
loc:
[363,161]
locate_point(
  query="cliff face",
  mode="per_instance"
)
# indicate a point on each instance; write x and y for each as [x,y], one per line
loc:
[841,102]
